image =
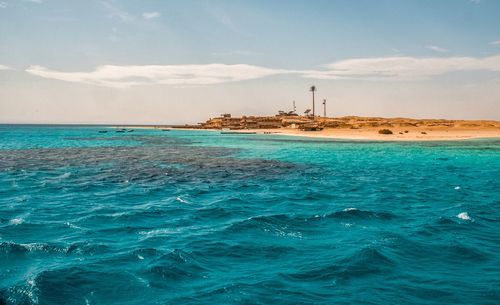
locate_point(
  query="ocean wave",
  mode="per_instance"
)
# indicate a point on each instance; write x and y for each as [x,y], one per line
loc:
[354,213]
[159,232]
[411,250]
[289,222]
[15,249]
[25,293]
[278,225]
[214,212]
[365,262]
[77,285]
[448,224]
[267,291]
[242,251]
[11,248]
[177,265]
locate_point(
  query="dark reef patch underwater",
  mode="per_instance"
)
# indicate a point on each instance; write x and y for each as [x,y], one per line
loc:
[192,217]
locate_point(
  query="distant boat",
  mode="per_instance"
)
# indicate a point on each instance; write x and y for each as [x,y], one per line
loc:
[120,130]
[130,130]
[103,131]
[238,132]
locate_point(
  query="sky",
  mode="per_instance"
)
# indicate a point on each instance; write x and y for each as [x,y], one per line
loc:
[175,62]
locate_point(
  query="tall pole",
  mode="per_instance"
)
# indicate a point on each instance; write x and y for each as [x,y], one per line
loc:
[313,103]
[313,89]
[324,107]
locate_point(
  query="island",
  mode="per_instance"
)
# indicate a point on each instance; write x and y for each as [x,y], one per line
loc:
[350,127]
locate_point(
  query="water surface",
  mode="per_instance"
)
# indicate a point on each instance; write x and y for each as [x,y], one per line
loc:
[193,217]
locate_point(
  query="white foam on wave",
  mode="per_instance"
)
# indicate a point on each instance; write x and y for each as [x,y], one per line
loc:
[181,200]
[69,224]
[457,188]
[157,232]
[118,214]
[32,247]
[464,216]
[32,291]
[350,209]
[43,247]
[16,221]
[140,257]
[65,175]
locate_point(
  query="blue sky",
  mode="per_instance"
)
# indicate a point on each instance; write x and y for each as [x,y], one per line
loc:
[156,61]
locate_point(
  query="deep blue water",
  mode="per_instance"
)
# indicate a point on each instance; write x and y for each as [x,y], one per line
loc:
[180,217]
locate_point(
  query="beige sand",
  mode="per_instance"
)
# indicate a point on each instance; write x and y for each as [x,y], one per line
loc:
[414,134]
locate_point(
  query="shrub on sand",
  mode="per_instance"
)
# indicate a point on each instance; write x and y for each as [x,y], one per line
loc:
[385,131]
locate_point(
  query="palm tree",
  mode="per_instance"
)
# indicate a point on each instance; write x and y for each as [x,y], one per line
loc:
[313,89]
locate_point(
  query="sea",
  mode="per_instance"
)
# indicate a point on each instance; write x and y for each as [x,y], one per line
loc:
[89,215]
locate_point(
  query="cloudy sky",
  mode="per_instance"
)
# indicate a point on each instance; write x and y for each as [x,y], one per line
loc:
[105,61]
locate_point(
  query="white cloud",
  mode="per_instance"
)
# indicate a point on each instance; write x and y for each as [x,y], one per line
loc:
[403,68]
[150,15]
[3,4]
[36,1]
[376,69]
[2,67]
[126,76]
[475,1]
[437,49]
[495,43]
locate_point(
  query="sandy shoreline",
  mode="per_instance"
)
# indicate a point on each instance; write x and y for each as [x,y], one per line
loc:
[412,134]
[399,134]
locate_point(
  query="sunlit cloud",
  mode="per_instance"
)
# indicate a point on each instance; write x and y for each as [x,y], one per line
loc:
[150,15]
[376,69]
[403,68]
[2,67]
[181,75]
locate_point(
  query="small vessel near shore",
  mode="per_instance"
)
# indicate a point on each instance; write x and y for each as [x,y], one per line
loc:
[103,131]
[238,132]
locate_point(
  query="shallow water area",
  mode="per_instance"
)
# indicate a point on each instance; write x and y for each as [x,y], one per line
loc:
[195,217]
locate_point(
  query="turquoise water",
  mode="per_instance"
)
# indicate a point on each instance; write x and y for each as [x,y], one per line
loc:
[180,217]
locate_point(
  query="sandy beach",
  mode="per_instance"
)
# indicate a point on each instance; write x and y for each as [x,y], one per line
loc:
[412,134]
